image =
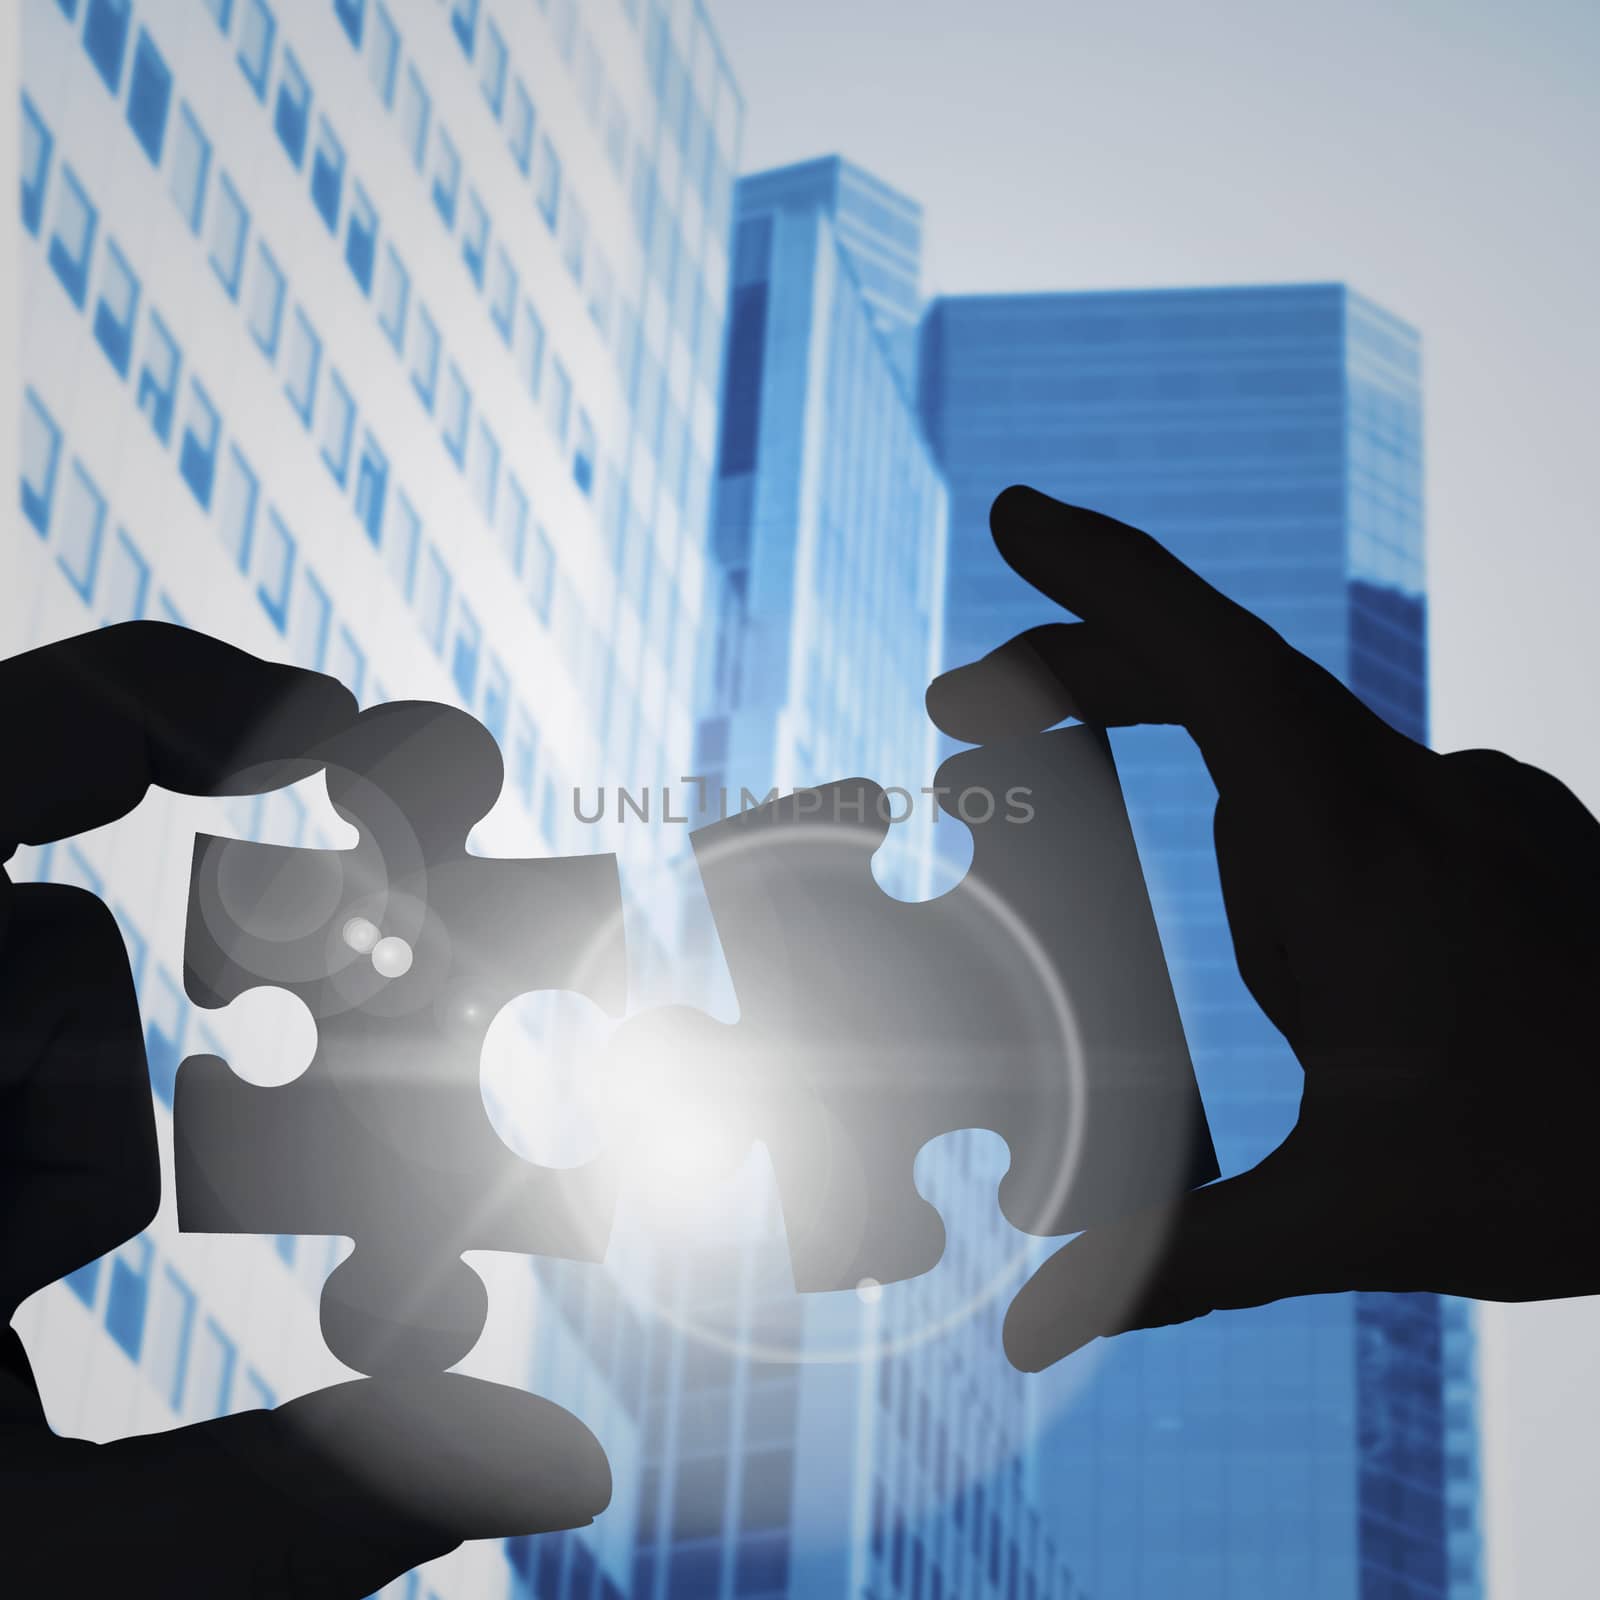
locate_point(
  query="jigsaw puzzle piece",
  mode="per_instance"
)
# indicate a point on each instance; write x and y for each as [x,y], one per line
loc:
[1032,999]
[403,949]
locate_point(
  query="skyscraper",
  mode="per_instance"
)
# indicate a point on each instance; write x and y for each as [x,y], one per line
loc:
[384,338]
[1272,438]
[826,1447]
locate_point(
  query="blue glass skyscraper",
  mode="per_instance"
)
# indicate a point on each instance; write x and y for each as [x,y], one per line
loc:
[1272,438]
[896,1468]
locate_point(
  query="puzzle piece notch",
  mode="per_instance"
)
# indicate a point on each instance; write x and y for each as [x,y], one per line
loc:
[869,1026]
[384,1137]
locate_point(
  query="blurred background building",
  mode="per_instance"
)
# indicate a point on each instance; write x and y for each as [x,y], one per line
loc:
[1271,437]
[387,336]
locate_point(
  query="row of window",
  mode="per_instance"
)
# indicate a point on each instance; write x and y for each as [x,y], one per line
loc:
[111,573]
[149,1310]
[109,569]
[913,1569]
[153,1316]
[659,420]
[255,279]
[412,330]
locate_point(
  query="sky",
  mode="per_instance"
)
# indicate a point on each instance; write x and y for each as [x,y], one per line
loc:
[1438,156]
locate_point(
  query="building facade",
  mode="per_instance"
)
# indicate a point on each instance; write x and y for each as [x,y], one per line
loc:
[384,337]
[830,1445]
[1271,437]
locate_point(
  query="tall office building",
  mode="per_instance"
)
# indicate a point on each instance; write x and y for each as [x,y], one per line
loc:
[381,336]
[821,1447]
[1272,438]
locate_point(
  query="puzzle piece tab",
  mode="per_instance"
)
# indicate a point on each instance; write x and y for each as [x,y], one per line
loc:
[1033,999]
[403,949]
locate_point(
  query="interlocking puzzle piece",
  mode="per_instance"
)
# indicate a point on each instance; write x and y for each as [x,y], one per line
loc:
[403,949]
[1032,999]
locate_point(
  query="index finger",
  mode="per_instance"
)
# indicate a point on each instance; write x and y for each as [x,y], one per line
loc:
[1157,642]
[91,722]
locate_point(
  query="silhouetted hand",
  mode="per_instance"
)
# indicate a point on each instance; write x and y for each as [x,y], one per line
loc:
[329,1495]
[1421,928]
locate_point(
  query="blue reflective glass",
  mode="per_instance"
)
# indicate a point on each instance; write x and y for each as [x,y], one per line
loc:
[128,1296]
[292,116]
[149,96]
[36,148]
[105,37]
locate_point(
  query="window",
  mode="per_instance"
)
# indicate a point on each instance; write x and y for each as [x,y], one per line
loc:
[616,133]
[41,446]
[372,479]
[349,13]
[197,461]
[361,239]
[303,358]
[229,224]
[236,510]
[171,1324]
[394,290]
[496,698]
[36,146]
[414,111]
[256,29]
[78,530]
[308,631]
[492,68]
[464,653]
[541,574]
[475,237]
[547,184]
[558,399]
[591,79]
[73,238]
[464,19]
[266,302]
[125,1303]
[211,1366]
[513,522]
[293,114]
[583,454]
[503,293]
[400,540]
[327,175]
[446,177]
[600,292]
[524,749]
[348,662]
[126,583]
[149,95]
[483,469]
[166,1021]
[113,317]
[529,347]
[191,159]
[519,127]
[272,567]
[433,598]
[383,54]
[158,379]
[338,418]
[424,355]
[455,409]
[105,38]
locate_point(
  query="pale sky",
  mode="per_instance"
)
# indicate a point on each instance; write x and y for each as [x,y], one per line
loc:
[1437,155]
